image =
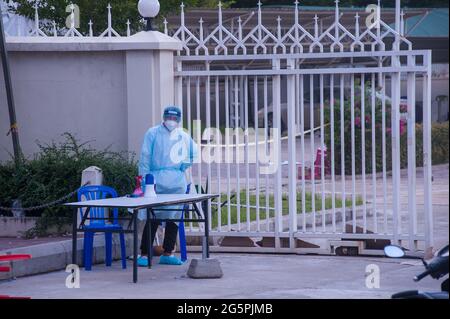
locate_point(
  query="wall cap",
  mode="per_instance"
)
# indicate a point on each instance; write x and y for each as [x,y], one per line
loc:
[151,40]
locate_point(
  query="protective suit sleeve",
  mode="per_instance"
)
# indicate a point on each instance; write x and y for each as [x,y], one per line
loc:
[146,154]
[192,154]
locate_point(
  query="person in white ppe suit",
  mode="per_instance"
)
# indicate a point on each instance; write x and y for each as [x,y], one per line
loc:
[167,152]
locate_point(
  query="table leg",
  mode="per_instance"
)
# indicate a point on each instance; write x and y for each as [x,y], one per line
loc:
[207,234]
[205,242]
[74,236]
[135,245]
[149,239]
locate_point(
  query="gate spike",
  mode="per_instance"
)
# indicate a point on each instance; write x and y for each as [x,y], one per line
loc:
[220,13]
[166,31]
[128,28]
[72,16]
[240,28]
[402,23]
[336,21]
[37,31]
[109,31]
[91,32]
[109,19]
[337,10]
[201,28]
[279,27]
[357,25]
[316,26]
[55,33]
[182,14]
[259,13]
[36,18]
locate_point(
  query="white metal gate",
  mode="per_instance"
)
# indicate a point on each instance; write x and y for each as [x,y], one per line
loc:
[306,90]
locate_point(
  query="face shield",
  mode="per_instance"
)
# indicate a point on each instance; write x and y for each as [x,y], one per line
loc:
[172,118]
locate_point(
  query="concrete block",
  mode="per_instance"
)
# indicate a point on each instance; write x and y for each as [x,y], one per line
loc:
[16,226]
[270,242]
[370,243]
[229,241]
[205,269]
[198,240]
[57,255]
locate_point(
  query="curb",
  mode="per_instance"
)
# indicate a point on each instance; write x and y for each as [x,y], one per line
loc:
[57,255]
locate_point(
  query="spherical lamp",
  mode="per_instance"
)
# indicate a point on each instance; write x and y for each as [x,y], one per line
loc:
[148,9]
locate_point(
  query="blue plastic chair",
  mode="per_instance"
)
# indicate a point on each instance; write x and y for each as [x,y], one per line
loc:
[181,231]
[92,192]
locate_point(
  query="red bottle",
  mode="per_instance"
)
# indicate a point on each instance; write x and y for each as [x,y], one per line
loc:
[138,190]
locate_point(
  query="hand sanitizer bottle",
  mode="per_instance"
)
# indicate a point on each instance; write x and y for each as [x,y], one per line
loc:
[138,190]
[149,186]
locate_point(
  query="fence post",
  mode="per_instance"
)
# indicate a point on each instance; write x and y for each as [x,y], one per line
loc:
[395,125]
[292,166]
[278,204]
[150,83]
[411,127]
[427,160]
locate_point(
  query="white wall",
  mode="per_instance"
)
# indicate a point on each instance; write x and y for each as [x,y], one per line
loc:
[57,92]
[107,91]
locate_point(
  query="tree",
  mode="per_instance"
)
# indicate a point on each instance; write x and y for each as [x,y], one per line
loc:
[344,3]
[122,10]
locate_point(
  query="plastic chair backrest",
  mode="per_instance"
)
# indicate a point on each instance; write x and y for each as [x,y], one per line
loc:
[92,192]
[186,206]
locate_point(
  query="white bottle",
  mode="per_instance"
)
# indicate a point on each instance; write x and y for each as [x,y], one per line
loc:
[149,186]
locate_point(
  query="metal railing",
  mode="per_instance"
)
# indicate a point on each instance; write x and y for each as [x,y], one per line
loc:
[218,82]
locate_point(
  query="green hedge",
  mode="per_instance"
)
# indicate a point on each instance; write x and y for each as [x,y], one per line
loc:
[439,145]
[440,135]
[55,171]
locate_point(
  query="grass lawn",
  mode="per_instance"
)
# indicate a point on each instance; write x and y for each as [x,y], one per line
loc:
[270,200]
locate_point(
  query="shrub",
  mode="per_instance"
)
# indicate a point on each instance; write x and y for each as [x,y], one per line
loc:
[440,144]
[56,171]
[359,118]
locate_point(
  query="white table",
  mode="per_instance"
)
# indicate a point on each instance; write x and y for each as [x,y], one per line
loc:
[135,204]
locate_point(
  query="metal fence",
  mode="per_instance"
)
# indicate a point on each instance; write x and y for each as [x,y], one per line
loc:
[310,139]
[303,92]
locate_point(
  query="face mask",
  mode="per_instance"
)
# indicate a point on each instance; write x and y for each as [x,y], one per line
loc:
[171,125]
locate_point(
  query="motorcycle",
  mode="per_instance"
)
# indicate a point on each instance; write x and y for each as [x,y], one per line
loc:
[436,268]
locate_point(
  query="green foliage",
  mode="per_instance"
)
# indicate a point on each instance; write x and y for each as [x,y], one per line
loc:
[440,133]
[359,117]
[270,203]
[56,171]
[345,3]
[439,145]
[122,10]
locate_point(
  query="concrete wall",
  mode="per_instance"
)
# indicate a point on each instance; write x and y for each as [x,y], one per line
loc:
[107,91]
[439,88]
[16,226]
[56,92]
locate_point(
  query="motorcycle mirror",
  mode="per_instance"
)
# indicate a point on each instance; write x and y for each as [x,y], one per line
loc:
[443,252]
[394,251]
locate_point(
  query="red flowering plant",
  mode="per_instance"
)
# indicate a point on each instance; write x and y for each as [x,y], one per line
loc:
[362,121]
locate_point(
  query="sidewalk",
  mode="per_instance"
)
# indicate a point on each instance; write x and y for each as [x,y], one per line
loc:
[7,243]
[245,276]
